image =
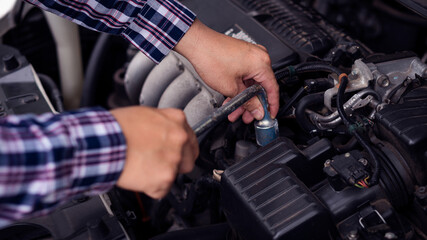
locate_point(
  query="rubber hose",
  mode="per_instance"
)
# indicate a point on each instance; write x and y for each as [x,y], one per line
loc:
[314,67]
[92,72]
[291,101]
[348,121]
[307,68]
[340,102]
[302,105]
[95,70]
[346,147]
[372,92]
[52,91]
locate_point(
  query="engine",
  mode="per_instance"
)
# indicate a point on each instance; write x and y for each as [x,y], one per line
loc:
[350,159]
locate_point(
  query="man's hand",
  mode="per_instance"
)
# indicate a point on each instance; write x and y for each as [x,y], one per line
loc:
[160,144]
[229,66]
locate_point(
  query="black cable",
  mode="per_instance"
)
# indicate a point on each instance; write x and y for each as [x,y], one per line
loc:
[285,73]
[375,162]
[369,91]
[52,91]
[340,102]
[307,67]
[291,102]
[348,122]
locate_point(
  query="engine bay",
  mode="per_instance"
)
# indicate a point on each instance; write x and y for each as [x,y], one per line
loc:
[350,159]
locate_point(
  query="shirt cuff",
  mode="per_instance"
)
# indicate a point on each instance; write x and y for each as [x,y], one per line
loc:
[101,150]
[159,27]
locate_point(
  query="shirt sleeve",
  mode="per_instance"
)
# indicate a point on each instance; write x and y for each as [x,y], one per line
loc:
[153,26]
[47,159]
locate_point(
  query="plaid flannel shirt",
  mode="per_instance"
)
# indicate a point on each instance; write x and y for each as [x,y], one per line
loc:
[153,26]
[46,159]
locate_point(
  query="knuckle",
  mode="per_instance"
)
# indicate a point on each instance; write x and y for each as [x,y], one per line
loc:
[261,55]
[186,169]
[251,104]
[174,157]
[156,194]
[175,115]
[180,136]
[265,58]
[168,178]
[179,115]
[262,47]
[187,165]
[234,91]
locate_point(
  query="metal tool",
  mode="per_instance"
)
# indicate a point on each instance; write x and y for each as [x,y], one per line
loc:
[266,129]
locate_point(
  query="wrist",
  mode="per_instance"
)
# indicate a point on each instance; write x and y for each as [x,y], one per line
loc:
[196,41]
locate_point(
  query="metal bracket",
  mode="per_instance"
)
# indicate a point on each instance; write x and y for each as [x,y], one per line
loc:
[379,216]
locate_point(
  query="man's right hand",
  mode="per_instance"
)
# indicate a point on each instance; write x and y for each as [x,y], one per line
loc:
[229,66]
[160,144]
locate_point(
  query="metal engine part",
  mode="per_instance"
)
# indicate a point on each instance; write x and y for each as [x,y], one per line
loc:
[171,84]
[388,75]
[358,100]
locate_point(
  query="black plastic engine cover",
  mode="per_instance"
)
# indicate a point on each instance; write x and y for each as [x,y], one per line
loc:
[408,122]
[292,23]
[263,198]
[405,126]
[225,17]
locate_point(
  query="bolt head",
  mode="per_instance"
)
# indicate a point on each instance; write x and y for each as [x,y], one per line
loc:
[390,235]
[353,235]
[363,161]
[383,81]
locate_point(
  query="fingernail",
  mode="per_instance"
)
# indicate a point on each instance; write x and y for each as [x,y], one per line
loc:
[257,114]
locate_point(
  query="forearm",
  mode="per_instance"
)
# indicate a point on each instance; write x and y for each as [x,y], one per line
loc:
[47,159]
[153,26]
